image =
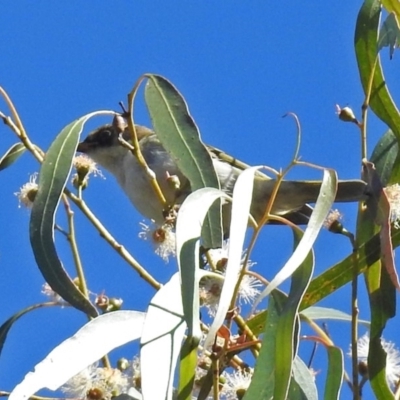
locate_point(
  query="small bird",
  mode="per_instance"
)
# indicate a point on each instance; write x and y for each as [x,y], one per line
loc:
[104,147]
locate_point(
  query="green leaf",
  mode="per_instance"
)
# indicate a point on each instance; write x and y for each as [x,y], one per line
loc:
[263,380]
[323,313]
[380,290]
[323,205]
[342,272]
[392,6]
[389,35]
[334,376]
[378,213]
[366,39]
[12,155]
[385,156]
[179,135]
[302,384]
[241,201]
[335,277]
[52,179]
[273,371]
[377,368]
[288,324]
[187,369]
[6,326]
[98,337]
[188,230]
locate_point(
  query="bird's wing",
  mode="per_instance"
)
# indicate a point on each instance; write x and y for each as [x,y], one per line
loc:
[222,156]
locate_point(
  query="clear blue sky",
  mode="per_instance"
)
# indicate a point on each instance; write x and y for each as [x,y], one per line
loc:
[240,68]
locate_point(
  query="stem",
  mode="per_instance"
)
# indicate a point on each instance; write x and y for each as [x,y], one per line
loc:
[364,111]
[354,326]
[215,368]
[354,283]
[112,241]
[241,323]
[136,147]
[71,237]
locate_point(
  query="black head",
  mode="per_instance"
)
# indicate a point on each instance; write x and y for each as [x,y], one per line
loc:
[103,137]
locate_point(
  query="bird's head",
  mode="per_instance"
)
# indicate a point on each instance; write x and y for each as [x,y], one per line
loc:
[104,146]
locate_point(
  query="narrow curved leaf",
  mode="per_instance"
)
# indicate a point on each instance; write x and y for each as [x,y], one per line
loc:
[335,277]
[384,157]
[323,205]
[288,324]
[302,384]
[179,135]
[273,372]
[366,39]
[381,296]
[263,380]
[6,326]
[241,201]
[188,230]
[392,6]
[161,341]
[324,313]
[52,179]
[378,207]
[87,346]
[12,155]
[334,376]
[389,35]
[187,368]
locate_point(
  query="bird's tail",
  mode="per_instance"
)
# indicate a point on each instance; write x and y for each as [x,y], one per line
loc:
[293,195]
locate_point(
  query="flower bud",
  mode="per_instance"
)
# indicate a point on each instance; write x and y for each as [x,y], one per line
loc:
[94,394]
[173,181]
[363,369]
[114,304]
[78,182]
[122,364]
[346,114]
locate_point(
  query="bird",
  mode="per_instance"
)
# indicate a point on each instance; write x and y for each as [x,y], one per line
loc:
[103,145]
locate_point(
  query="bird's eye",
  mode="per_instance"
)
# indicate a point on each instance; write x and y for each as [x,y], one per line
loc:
[105,137]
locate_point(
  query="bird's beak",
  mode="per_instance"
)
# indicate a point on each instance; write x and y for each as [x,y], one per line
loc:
[83,147]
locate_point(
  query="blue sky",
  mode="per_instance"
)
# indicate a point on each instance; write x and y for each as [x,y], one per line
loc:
[240,68]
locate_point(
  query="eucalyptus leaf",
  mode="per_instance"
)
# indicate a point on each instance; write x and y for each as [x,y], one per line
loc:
[366,39]
[6,326]
[392,6]
[179,135]
[385,155]
[85,347]
[12,155]
[324,313]
[322,207]
[188,231]
[334,377]
[381,292]
[335,277]
[288,325]
[53,176]
[389,34]
[302,385]
[263,380]
[241,201]
[161,341]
